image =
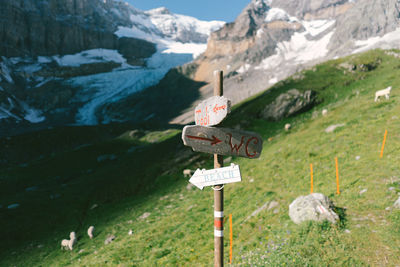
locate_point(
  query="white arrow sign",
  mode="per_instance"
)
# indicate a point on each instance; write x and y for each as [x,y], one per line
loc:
[226,175]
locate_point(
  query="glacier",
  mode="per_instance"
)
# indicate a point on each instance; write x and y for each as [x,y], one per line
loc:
[152,26]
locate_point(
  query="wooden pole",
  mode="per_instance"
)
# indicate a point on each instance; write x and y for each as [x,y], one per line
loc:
[218,191]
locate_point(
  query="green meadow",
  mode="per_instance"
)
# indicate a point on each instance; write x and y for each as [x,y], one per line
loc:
[110,176]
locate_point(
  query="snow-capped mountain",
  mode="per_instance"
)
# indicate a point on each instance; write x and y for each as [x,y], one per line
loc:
[68,58]
[182,28]
[88,62]
[271,40]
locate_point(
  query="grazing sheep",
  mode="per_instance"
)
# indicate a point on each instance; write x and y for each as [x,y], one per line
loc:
[187,173]
[90,232]
[385,92]
[324,112]
[64,244]
[69,244]
[287,127]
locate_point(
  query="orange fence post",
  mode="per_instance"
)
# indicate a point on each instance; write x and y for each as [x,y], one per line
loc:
[312,179]
[337,176]
[383,144]
[231,239]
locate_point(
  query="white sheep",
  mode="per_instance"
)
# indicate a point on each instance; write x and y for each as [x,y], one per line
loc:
[187,173]
[90,232]
[385,92]
[324,112]
[69,244]
[64,244]
[287,127]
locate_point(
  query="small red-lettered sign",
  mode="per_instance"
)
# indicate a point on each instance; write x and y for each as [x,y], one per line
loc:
[212,111]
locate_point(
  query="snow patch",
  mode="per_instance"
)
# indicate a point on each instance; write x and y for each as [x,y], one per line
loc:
[260,33]
[33,115]
[43,82]
[277,14]
[31,68]
[159,11]
[44,60]
[90,56]
[16,60]
[10,103]
[302,50]
[4,114]
[5,72]
[187,48]
[244,68]
[273,80]
[142,20]
[315,27]
[134,32]
[299,49]
[386,41]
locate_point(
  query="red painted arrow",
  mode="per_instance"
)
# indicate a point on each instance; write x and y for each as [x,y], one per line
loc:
[213,141]
[216,108]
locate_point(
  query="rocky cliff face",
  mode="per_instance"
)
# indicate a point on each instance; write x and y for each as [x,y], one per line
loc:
[51,27]
[368,18]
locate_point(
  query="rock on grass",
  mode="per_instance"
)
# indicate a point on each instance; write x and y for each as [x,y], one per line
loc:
[313,207]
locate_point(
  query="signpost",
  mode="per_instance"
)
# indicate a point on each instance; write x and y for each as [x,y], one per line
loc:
[218,141]
[226,175]
[222,141]
[212,111]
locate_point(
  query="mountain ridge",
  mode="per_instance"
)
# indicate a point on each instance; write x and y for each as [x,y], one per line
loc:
[268,41]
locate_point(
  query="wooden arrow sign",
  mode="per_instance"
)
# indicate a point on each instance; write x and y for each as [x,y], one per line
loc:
[227,175]
[222,141]
[212,111]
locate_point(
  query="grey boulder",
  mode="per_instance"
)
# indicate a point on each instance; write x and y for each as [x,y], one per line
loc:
[313,207]
[288,104]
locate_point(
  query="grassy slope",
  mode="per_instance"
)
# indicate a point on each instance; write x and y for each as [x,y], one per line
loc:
[179,231]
